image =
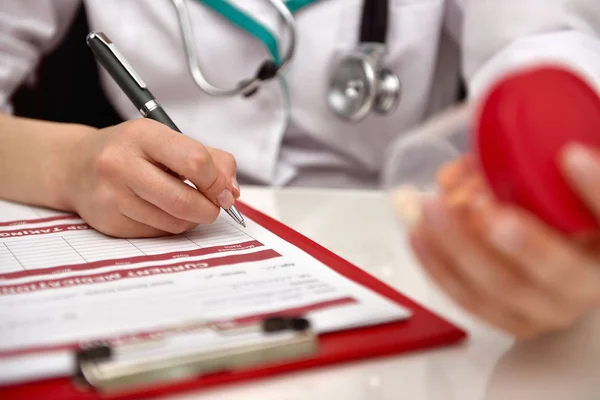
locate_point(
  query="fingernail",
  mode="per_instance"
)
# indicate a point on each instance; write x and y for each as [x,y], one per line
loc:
[235,183]
[225,199]
[434,212]
[505,233]
[408,205]
[582,162]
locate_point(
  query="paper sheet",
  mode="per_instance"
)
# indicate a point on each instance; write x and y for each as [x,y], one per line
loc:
[63,285]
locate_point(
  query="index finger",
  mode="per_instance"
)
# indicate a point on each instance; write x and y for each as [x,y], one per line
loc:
[188,158]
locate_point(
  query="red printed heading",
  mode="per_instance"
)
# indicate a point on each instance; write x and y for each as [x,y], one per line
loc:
[137,272]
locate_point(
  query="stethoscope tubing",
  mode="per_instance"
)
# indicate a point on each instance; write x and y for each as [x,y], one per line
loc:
[246,86]
[359,83]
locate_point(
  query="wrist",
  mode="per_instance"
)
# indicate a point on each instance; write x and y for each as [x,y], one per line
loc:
[65,162]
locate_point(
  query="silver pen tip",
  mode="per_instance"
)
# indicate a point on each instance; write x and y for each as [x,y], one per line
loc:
[237,217]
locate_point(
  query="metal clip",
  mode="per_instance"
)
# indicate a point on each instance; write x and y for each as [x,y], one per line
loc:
[101,36]
[274,340]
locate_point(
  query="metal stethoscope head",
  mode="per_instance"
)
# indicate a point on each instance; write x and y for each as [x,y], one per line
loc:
[267,70]
[358,83]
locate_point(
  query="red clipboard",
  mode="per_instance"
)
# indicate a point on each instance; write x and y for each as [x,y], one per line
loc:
[422,331]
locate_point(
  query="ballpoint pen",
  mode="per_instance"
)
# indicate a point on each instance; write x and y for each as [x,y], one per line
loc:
[136,90]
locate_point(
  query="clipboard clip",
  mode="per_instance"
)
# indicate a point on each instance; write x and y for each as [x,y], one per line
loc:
[128,367]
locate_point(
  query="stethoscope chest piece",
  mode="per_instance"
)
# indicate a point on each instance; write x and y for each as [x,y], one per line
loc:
[359,84]
[357,87]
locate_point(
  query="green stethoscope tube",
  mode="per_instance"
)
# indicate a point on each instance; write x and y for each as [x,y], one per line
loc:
[250,25]
[254,28]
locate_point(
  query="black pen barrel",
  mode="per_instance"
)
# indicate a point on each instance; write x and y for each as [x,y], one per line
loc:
[128,81]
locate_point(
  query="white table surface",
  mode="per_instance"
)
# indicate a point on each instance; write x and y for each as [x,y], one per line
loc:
[488,366]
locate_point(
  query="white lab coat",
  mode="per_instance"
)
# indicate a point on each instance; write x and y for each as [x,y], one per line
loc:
[429,42]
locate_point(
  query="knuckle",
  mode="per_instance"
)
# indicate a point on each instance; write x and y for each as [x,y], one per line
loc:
[109,162]
[213,186]
[180,203]
[133,128]
[197,160]
[177,226]
[230,160]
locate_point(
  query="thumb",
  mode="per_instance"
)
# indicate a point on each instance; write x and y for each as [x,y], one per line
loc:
[200,169]
[226,163]
[581,167]
[214,184]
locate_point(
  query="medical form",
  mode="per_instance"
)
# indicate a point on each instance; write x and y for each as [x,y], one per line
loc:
[64,285]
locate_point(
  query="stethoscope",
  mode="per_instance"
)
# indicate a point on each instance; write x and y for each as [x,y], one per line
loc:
[359,83]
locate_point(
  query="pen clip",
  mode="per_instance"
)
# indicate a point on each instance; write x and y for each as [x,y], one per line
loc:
[101,36]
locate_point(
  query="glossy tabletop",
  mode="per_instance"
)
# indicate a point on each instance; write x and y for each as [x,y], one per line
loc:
[488,366]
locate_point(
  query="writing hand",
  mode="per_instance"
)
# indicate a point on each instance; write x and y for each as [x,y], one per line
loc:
[118,181]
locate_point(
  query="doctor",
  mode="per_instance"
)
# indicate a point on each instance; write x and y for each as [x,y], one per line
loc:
[336,82]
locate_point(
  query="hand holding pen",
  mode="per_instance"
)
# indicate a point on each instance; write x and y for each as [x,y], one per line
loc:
[194,161]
